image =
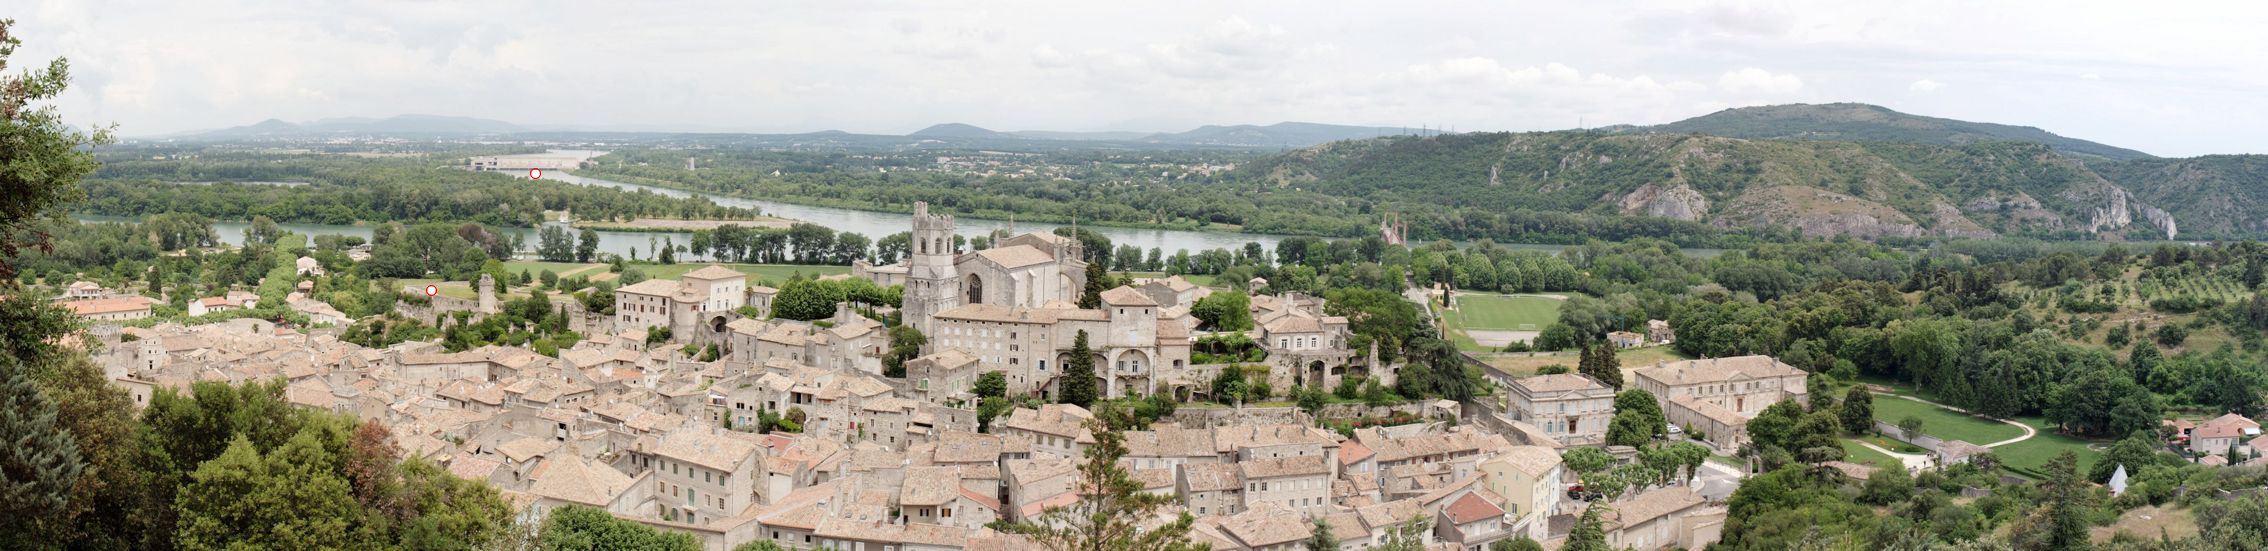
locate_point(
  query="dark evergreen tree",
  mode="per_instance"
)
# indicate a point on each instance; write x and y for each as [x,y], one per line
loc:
[39,461]
[1078,386]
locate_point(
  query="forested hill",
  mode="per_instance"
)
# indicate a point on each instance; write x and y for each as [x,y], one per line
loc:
[1873,123]
[1822,187]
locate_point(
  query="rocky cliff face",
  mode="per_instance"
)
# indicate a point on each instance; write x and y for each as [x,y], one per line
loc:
[1679,201]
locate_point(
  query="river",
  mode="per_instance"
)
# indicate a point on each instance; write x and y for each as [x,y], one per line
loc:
[874,225]
[877,224]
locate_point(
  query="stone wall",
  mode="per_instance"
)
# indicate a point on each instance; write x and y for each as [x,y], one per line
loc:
[1222,417]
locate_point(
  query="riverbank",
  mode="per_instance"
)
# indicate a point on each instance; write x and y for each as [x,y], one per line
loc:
[669,225]
[1223,229]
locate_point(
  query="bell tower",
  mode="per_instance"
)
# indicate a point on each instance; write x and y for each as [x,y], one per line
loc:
[932,283]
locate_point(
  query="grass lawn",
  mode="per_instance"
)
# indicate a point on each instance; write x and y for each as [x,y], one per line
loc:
[1855,453]
[1730,461]
[1504,312]
[1943,423]
[774,274]
[2030,456]
[564,269]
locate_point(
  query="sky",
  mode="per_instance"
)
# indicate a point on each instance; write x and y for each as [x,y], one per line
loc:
[2171,82]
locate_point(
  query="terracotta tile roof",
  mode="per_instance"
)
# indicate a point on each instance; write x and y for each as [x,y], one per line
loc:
[1126,296]
[653,287]
[1471,508]
[930,486]
[1352,452]
[1265,526]
[1303,465]
[1211,477]
[1717,370]
[1651,505]
[1064,420]
[99,306]
[1557,382]
[572,479]
[713,272]
[1533,460]
[705,448]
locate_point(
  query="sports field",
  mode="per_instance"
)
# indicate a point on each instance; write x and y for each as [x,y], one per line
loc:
[1488,322]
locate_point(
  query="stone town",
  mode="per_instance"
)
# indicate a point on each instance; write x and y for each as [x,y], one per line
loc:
[654,435]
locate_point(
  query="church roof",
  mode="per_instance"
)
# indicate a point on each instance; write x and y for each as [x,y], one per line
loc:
[1016,257]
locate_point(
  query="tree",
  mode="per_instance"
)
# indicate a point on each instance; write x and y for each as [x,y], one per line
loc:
[1588,534]
[262,232]
[1522,543]
[1319,538]
[555,244]
[1858,410]
[1408,535]
[1098,276]
[805,300]
[1587,461]
[905,344]
[759,545]
[1311,399]
[105,504]
[586,245]
[2134,452]
[989,408]
[1887,486]
[1078,386]
[2061,522]
[1642,404]
[1600,363]
[1775,427]
[991,384]
[1224,311]
[579,528]
[1110,515]
[39,463]
[44,158]
[1910,426]
[1630,429]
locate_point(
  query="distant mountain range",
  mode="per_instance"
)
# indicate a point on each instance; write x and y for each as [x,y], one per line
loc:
[1279,135]
[1861,122]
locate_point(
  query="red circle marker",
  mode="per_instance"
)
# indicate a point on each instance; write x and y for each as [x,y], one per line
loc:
[432,290]
[535,174]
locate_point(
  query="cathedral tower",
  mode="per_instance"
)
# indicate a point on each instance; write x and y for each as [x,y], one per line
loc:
[931,281]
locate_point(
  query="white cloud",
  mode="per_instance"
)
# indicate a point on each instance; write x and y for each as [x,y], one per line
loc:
[1034,64]
[1752,80]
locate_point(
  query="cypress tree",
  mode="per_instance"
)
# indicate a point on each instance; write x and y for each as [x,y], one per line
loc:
[1079,373]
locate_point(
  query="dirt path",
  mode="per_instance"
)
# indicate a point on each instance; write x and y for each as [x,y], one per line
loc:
[585,268]
[1913,461]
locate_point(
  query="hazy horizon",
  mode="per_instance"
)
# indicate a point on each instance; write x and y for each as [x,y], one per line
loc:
[2168,82]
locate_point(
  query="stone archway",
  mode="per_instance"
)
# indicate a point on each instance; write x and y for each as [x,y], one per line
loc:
[1316,373]
[717,325]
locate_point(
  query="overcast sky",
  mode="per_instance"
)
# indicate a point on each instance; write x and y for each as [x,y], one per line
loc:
[2183,80]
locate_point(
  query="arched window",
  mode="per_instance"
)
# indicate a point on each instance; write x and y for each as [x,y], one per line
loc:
[976,290]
